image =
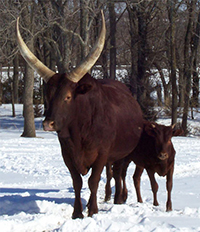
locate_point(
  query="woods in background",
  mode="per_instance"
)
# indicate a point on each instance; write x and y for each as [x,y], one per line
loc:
[153,42]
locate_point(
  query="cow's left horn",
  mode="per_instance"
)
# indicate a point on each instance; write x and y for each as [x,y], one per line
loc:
[31,59]
[76,74]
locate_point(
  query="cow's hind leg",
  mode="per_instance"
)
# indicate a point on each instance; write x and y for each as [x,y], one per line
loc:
[123,174]
[136,179]
[154,186]
[117,170]
[93,183]
[109,176]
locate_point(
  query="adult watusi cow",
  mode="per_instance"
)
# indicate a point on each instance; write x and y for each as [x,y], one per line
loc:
[97,121]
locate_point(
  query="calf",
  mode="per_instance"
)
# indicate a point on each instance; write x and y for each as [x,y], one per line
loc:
[155,153]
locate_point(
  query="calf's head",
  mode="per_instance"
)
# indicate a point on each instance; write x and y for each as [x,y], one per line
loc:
[162,138]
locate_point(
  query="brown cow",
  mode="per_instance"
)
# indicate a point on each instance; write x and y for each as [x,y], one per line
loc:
[155,153]
[97,121]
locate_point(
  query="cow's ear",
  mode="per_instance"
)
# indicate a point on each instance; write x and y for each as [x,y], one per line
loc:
[83,88]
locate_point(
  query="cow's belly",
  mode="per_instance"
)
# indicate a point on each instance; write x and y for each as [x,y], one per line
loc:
[123,147]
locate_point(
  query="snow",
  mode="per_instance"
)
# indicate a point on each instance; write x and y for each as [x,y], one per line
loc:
[36,192]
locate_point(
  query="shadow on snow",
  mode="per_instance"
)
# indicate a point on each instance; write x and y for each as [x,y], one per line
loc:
[13,203]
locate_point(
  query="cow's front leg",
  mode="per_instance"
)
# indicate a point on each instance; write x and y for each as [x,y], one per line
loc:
[76,177]
[77,184]
[93,183]
[78,208]
[136,179]
[169,185]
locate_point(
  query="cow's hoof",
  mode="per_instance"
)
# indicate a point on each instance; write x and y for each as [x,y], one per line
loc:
[118,201]
[107,198]
[77,215]
[91,212]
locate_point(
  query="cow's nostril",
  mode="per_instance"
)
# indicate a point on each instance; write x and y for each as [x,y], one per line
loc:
[163,156]
[48,125]
[51,124]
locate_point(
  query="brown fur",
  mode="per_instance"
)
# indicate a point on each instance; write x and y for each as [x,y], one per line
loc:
[155,143]
[97,121]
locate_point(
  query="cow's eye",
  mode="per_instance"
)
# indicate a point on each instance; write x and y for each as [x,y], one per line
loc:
[67,98]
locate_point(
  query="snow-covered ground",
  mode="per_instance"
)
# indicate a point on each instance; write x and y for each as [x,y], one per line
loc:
[36,192]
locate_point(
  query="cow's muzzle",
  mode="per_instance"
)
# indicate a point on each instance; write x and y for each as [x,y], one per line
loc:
[48,125]
[163,156]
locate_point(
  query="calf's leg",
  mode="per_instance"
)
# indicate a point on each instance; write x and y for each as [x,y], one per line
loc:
[169,184]
[154,186]
[136,179]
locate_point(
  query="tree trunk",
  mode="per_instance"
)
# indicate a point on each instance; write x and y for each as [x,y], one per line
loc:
[159,94]
[173,61]
[1,89]
[84,26]
[195,85]
[1,86]
[105,61]
[28,112]
[112,40]
[141,64]
[188,61]
[165,85]
[13,101]
[181,87]
[16,79]
[133,75]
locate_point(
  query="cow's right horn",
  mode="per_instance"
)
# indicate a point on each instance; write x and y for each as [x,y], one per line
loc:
[76,74]
[31,59]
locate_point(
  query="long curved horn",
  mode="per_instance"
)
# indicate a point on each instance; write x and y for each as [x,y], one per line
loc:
[76,74]
[31,59]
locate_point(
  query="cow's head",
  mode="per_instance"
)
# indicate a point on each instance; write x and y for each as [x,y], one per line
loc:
[62,88]
[162,136]
[62,97]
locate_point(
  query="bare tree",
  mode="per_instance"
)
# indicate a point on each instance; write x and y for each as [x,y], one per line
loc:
[112,17]
[16,79]
[195,44]
[133,35]
[171,12]
[84,21]
[28,112]
[188,62]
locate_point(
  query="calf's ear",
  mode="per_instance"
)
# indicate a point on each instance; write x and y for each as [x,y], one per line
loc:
[178,132]
[150,129]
